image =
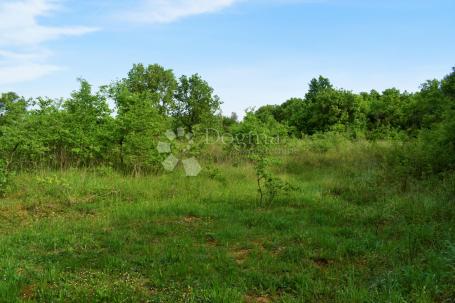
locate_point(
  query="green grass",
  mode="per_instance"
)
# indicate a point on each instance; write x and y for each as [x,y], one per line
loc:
[349,233]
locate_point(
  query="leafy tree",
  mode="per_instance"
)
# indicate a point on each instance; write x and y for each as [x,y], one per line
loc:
[316,87]
[87,120]
[50,134]
[427,106]
[389,111]
[439,142]
[266,111]
[448,85]
[138,126]
[143,102]
[294,113]
[331,109]
[256,135]
[434,149]
[195,102]
[154,83]
[13,135]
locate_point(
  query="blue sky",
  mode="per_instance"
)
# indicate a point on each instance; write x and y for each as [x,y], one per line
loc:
[253,52]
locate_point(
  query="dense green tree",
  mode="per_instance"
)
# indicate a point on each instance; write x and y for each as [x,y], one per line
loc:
[153,83]
[426,107]
[257,134]
[88,123]
[138,126]
[448,85]
[294,113]
[13,135]
[316,87]
[266,111]
[332,109]
[438,143]
[49,134]
[196,103]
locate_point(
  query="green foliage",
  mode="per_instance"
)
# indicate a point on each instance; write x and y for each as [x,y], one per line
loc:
[294,115]
[387,110]
[228,122]
[256,137]
[83,131]
[376,115]
[330,109]
[316,87]
[323,109]
[433,151]
[138,128]
[195,102]
[14,136]
[424,120]
[154,83]
[88,117]
[4,178]
[428,107]
[267,111]
[269,185]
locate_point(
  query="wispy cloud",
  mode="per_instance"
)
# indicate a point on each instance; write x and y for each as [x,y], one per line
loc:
[165,11]
[11,74]
[22,53]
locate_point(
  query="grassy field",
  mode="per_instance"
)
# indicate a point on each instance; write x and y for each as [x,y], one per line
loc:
[348,233]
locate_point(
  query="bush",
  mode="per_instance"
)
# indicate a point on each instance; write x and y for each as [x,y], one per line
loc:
[269,185]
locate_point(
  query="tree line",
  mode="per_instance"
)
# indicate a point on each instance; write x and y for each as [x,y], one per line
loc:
[424,120]
[373,114]
[120,124]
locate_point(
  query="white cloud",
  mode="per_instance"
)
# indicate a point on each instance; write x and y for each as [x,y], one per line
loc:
[11,74]
[22,54]
[10,55]
[165,11]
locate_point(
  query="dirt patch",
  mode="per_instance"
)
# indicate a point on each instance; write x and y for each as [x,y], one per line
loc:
[321,262]
[278,251]
[240,255]
[28,292]
[190,219]
[259,244]
[257,299]
[211,240]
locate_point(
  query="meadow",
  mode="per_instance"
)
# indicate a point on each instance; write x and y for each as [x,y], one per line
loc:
[348,231]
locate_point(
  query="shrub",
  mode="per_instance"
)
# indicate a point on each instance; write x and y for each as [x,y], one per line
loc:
[269,185]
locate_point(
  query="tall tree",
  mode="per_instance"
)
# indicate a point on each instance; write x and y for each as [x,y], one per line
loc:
[153,83]
[87,118]
[13,119]
[195,102]
[142,102]
[317,86]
